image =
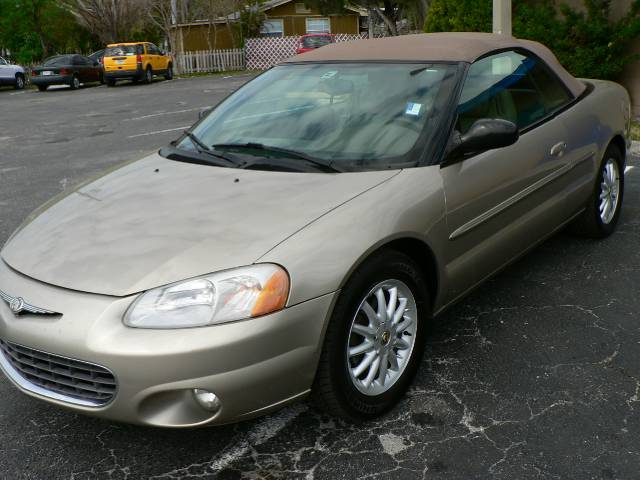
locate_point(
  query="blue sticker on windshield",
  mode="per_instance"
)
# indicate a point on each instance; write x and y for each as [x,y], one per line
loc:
[413,109]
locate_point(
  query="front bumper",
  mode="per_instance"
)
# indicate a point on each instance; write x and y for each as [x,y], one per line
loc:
[253,366]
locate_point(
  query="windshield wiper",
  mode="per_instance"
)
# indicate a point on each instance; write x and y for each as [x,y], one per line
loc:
[204,149]
[326,166]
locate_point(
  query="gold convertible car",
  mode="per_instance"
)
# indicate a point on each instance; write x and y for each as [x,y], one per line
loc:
[298,239]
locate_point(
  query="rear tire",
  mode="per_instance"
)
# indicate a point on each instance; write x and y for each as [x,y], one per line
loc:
[43,88]
[345,387]
[111,82]
[19,85]
[603,208]
[148,76]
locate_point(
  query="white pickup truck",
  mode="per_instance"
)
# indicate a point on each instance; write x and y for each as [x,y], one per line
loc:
[11,74]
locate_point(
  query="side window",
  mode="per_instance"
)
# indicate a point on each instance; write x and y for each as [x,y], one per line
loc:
[2,61]
[507,86]
[139,49]
[153,50]
[554,94]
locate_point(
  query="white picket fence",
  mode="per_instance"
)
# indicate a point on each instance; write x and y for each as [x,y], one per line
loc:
[258,54]
[205,61]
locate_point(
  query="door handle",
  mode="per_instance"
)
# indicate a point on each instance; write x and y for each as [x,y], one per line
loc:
[558,149]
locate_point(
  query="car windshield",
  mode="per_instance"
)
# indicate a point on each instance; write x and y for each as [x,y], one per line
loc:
[122,51]
[352,116]
[60,60]
[316,42]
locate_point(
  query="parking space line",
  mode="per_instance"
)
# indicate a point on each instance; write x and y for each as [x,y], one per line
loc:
[166,113]
[158,132]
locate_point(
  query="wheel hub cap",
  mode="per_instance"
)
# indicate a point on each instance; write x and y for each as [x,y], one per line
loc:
[382,337]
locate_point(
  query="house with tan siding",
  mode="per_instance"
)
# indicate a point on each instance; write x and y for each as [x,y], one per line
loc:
[283,18]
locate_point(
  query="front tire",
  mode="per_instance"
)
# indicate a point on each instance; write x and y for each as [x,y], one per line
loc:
[375,338]
[602,212]
[75,83]
[169,74]
[19,85]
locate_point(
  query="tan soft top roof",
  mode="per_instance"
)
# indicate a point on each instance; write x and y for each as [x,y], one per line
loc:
[454,47]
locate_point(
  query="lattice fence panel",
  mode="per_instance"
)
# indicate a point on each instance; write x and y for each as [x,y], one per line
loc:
[264,53]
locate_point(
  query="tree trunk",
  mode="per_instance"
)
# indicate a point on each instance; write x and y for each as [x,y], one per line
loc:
[390,23]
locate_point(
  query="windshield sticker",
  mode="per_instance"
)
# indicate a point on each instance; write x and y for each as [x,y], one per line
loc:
[329,75]
[413,109]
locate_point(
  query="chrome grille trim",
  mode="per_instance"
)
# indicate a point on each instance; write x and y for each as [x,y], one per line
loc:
[60,378]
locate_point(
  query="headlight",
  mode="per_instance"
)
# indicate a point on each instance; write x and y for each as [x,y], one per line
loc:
[227,296]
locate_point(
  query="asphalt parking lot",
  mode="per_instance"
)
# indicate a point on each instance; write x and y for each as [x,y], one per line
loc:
[534,376]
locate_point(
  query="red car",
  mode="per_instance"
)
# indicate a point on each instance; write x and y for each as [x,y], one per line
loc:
[313,41]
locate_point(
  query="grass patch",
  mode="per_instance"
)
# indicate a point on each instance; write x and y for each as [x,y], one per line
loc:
[635,131]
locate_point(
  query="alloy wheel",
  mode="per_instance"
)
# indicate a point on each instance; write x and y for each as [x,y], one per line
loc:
[382,337]
[609,191]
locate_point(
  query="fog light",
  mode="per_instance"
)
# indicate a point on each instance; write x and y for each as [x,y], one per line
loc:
[207,400]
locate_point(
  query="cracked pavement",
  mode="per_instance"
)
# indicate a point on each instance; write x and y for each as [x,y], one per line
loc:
[533,376]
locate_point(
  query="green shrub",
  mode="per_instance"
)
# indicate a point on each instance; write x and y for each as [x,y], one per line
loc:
[588,44]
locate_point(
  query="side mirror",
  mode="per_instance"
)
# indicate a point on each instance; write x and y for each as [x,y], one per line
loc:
[162,52]
[485,134]
[204,113]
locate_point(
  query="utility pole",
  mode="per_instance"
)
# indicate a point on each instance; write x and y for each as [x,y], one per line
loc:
[502,17]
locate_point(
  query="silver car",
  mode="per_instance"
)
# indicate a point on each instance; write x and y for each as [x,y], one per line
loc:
[298,239]
[11,74]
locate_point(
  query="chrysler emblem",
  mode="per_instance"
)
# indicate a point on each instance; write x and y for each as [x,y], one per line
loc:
[17,304]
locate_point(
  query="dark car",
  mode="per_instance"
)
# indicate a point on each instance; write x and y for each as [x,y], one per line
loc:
[69,70]
[313,41]
[99,57]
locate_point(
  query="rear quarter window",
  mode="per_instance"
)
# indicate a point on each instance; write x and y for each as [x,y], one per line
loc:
[60,60]
[554,94]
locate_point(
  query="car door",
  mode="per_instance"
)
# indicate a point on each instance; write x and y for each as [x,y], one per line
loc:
[92,70]
[151,56]
[501,202]
[79,68]
[5,71]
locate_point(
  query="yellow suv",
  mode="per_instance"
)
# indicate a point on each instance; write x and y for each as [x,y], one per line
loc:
[138,61]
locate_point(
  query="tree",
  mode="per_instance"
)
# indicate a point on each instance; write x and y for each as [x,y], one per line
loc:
[33,29]
[588,43]
[390,11]
[110,20]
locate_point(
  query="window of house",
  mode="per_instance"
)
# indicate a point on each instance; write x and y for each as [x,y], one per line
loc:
[302,8]
[272,28]
[318,25]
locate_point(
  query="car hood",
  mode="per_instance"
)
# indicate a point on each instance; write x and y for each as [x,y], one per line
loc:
[157,221]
